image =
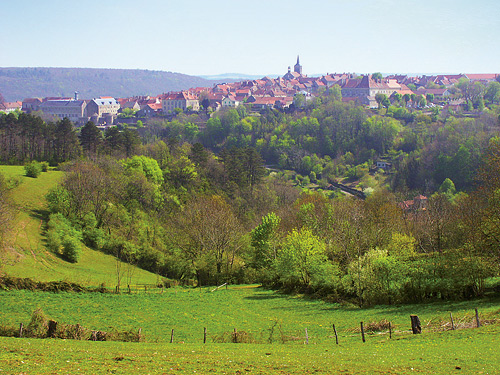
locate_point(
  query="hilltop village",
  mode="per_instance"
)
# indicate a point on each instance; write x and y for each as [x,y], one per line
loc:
[292,90]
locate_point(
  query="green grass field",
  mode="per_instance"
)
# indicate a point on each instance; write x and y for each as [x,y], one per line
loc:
[28,257]
[253,310]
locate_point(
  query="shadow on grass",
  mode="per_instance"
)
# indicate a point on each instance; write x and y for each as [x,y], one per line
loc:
[267,296]
[40,214]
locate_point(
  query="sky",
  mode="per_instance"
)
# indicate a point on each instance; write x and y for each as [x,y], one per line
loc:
[258,37]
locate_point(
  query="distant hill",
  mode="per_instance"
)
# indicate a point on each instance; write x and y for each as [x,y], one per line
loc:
[236,77]
[20,83]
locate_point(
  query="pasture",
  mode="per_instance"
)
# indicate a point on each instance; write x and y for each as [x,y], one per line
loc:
[275,322]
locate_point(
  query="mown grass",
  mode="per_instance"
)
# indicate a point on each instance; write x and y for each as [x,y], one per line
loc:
[27,255]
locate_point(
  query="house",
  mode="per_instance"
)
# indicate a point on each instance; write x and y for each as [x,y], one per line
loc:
[367,88]
[131,104]
[103,110]
[8,107]
[31,104]
[230,101]
[181,100]
[419,203]
[150,110]
[439,94]
[382,164]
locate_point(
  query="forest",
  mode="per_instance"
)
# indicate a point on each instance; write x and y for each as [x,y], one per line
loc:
[245,197]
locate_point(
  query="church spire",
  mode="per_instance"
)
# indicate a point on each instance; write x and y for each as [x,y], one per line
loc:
[297,68]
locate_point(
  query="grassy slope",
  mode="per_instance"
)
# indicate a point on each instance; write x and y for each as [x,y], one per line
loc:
[29,258]
[253,310]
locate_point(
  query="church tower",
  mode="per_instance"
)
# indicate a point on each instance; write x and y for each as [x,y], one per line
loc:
[297,67]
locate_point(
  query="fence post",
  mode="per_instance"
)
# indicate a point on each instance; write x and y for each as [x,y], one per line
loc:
[21,326]
[172,336]
[415,324]
[362,332]
[478,324]
[336,337]
[205,335]
[390,330]
[452,323]
[51,332]
[307,338]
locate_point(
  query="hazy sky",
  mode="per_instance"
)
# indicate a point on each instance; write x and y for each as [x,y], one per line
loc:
[254,36]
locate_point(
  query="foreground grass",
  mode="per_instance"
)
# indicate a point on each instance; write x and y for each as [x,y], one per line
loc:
[28,257]
[264,315]
[472,351]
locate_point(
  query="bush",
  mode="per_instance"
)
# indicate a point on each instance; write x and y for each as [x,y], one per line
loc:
[45,166]
[38,325]
[33,169]
[71,249]
[63,239]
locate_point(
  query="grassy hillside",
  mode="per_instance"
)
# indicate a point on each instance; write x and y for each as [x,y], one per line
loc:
[28,257]
[254,311]
[20,83]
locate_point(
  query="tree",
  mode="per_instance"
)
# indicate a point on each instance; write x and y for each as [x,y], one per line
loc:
[381,99]
[301,260]
[90,139]
[430,98]
[87,189]
[66,143]
[492,94]
[210,236]
[377,76]
[263,239]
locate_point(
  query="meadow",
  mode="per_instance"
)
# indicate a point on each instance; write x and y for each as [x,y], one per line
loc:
[28,256]
[275,321]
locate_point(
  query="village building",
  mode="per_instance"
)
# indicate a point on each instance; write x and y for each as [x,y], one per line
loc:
[31,104]
[230,101]
[74,110]
[103,110]
[8,107]
[182,100]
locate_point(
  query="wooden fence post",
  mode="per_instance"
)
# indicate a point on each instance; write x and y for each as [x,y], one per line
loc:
[307,338]
[452,323]
[478,324]
[51,332]
[415,324]
[205,335]
[21,326]
[172,336]
[362,332]
[139,335]
[390,330]
[336,336]
[235,336]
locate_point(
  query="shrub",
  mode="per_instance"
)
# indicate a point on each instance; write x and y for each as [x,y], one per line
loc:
[45,166]
[33,169]
[71,249]
[63,238]
[38,325]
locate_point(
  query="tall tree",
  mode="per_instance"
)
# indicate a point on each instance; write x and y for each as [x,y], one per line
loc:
[90,139]
[66,143]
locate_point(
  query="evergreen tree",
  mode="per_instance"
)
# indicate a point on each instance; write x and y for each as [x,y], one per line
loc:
[90,138]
